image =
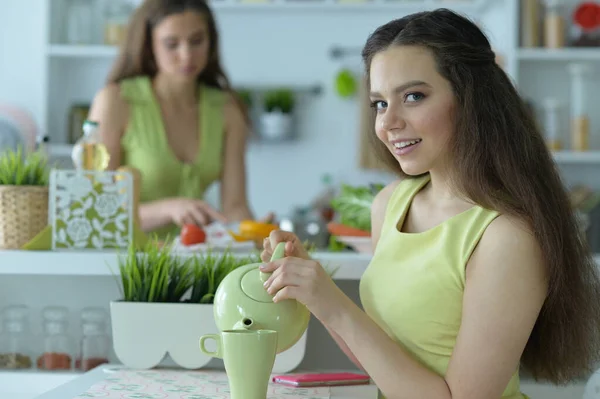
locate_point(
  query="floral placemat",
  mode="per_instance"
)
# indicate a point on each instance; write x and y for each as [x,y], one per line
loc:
[177,384]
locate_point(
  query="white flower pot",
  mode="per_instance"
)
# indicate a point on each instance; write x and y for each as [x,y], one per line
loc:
[276,125]
[143,333]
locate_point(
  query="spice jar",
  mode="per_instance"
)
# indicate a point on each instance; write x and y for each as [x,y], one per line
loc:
[79,21]
[116,18]
[16,339]
[58,347]
[95,342]
[552,108]
[580,123]
[530,23]
[554,24]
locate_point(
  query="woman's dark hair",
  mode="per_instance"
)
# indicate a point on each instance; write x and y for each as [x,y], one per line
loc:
[136,57]
[501,162]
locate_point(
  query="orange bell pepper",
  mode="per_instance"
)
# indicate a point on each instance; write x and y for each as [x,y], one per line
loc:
[253,230]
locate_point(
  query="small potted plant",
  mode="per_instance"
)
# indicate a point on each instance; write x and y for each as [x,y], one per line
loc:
[23,197]
[246,97]
[276,120]
[166,304]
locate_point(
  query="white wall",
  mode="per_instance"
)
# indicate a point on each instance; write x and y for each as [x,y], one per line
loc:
[22,57]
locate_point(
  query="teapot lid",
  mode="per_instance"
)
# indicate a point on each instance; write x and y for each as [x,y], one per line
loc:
[252,286]
[252,281]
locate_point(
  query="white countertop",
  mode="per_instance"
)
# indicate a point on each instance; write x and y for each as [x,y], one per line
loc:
[82,383]
[351,265]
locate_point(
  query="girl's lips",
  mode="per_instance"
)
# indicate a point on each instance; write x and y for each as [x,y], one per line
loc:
[188,70]
[407,149]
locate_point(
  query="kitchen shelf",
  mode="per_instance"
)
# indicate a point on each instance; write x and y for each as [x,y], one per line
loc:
[81,51]
[568,54]
[350,265]
[349,5]
[577,157]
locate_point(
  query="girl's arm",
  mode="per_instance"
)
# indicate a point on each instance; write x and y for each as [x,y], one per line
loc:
[377,215]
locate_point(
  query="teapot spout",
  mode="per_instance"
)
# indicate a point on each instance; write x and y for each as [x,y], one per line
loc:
[245,324]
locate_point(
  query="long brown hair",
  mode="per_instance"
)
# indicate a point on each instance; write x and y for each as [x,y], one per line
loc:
[501,162]
[136,57]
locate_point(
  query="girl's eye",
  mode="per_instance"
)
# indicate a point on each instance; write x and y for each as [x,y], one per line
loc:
[414,97]
[379,105]
[197,41]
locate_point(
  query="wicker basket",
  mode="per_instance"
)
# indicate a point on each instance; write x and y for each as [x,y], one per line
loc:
[23,214]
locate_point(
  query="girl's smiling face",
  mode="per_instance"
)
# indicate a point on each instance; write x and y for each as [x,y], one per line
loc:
[414,107]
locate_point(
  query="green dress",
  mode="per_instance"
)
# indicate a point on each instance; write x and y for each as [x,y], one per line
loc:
[144,146]
[413,287]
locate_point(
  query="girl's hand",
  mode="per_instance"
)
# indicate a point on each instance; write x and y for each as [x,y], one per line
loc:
[183,211]
[293,246]
[306,281]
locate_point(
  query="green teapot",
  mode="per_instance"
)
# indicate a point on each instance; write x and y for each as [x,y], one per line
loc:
[242,302]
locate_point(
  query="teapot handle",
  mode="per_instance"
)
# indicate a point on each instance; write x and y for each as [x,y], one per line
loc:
[278,253]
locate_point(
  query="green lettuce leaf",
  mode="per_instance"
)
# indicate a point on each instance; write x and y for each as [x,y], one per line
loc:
[353,205]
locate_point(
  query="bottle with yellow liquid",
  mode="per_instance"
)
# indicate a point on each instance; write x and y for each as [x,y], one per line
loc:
[88,152]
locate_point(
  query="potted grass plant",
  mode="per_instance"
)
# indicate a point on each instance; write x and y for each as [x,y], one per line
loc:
[166,304]
[23,197]
[276,120]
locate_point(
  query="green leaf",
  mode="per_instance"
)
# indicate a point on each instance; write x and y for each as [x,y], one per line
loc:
[353,204]
[157,275]
[280,99]
[335,245]
[18,168]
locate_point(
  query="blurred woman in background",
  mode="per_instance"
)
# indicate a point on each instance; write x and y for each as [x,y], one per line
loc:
[168,110]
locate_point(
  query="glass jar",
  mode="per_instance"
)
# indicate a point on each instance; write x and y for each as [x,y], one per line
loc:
[79,22]
[580,122]
[554,24]
[58,344]
[94,347]
[16,339]
[530,23]
[552,108]
[116,17]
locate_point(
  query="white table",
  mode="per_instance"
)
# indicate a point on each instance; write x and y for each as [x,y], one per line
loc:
[81,384]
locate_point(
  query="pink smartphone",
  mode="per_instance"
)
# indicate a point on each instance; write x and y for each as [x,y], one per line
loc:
[321,379]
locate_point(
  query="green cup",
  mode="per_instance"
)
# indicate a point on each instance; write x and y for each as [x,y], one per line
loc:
[249,356]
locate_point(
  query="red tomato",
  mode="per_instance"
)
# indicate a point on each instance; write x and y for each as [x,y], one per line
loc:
[192,234]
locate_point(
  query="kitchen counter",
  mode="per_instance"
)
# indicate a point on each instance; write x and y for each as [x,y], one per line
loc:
[81,384]
[350,265]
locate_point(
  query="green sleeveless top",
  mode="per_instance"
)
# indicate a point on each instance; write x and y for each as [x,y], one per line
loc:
[413,287]
[144,146]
